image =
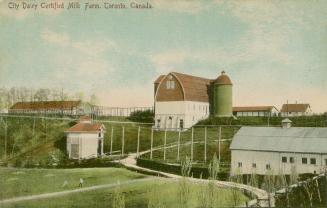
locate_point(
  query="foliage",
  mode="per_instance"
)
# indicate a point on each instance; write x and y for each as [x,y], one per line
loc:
[184,186]
[196,172]
[301,121]
[118,198]
[142,116]
[155,198]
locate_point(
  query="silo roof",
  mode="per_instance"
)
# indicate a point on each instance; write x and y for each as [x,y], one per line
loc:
[223,79]
[277,139]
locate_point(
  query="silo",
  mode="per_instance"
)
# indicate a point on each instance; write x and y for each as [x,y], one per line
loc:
[222,96]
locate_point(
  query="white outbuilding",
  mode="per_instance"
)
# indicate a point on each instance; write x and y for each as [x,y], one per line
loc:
[279,150]
[85,139]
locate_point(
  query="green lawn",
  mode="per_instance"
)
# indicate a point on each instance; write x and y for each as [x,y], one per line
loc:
[136,195]
[20,182]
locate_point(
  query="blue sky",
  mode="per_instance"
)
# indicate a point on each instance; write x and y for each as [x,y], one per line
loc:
[273,50]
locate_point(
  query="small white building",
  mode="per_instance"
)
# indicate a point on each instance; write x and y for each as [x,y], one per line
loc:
[85,139]
[279,150]
[291,110]
[257,111]
[180,100]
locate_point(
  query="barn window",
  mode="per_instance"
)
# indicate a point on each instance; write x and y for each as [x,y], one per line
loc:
[284,159]
[158,123]
[254,165]
[268,167]
[239,164]
[291,159]
[312,161]
[170,84]
[304,160]
[325,162]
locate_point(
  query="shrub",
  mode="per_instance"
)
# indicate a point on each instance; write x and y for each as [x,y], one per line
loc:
[142,116]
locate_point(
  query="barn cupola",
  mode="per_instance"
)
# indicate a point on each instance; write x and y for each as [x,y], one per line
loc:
[85,119]
[286,123]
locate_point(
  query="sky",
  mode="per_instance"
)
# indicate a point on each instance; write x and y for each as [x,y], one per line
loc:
[273,51]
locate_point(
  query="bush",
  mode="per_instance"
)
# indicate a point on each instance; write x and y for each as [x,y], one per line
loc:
[142,116]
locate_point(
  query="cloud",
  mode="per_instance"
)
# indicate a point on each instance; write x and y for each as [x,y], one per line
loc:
[94,47]
[61,39]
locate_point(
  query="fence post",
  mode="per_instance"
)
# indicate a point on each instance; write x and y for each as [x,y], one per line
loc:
[205,144]
[178,144]
[219,138]
[192,137]
[151,144]
[111,138]
[165,142]
[123,141]
[138,142]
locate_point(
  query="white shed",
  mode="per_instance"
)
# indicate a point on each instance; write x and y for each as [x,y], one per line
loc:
[279,149]
[85,139]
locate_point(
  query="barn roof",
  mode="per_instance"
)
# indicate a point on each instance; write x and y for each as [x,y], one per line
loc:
[253,108]
[295,107]
[46,105]
[277,139]
[195,88]
[86,127]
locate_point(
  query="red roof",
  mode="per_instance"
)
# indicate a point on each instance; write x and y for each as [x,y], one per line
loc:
[253,109]
[86,127]
[295,107]
[46,105]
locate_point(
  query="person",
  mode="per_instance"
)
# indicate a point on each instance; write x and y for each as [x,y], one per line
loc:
[81,181]
[65,184]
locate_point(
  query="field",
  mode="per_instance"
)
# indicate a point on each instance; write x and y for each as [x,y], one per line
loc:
[19,182]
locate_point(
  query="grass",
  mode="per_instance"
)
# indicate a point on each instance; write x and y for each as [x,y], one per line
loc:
[49,139]
[136,195]
[20,182]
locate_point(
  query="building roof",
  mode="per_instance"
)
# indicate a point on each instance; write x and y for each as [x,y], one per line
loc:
[253,108]
[277,139]
[86,127]
[223,79]
[295,107]
[45,105]
[158,80]
[195,88]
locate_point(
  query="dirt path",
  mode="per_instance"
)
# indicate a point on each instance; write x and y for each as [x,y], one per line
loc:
[62,193]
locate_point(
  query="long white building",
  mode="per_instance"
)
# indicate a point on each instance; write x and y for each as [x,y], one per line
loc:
[279,150]
[180,100]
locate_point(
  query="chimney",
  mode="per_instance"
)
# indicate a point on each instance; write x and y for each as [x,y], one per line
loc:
[286,123]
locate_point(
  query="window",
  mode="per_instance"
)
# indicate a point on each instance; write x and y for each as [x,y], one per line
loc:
[181,123]
[99,134]
[268,167]
[304,160]
[312,161]
[325,162]
[254,165]
[239,164]
[170,84]
[284,159]
[291,159]
[158,123]
[170,117]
